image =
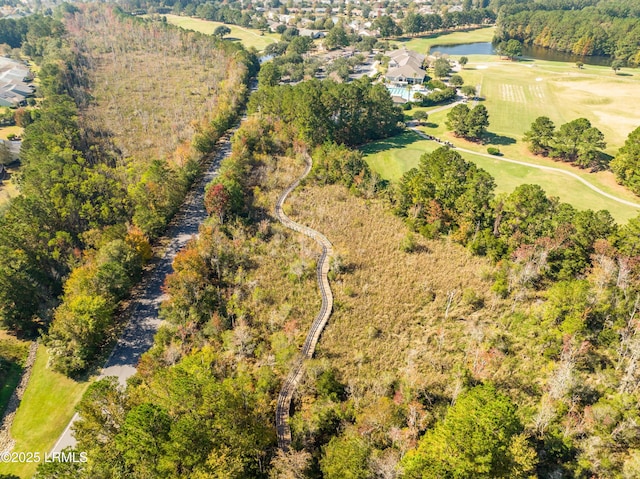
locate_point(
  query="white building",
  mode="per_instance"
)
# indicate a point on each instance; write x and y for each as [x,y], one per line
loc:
[405,67]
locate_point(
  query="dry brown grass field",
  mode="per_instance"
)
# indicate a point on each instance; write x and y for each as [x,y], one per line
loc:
[152,88]
[412,317]
[413,324]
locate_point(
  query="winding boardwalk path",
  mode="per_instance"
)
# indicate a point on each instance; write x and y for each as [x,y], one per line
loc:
[541,167]
[144,322]
[286,393]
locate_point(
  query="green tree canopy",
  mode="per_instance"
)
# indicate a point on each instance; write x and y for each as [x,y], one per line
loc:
[480,437]
[221,31]
[511,49]
[346,457]
[441,67]
[387,26]
[468,123]
[336,37]
[626,164]
[540,136]
[578,142]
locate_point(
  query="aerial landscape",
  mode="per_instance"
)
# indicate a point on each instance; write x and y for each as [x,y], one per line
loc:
[337,239]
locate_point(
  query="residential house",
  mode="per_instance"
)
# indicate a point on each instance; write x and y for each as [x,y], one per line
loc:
[14,83]
[405,67]
[13,150]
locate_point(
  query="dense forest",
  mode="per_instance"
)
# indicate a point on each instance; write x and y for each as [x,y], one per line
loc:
[105,165]
[506,344]
[581,27]
[626,164]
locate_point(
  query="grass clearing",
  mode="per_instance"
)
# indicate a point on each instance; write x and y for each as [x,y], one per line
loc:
[392,157]
[249,37]
[516,93]
[8,189]
[13,354]
[46,409]
[8,130]
[423,44]
[390,328]
[518,150]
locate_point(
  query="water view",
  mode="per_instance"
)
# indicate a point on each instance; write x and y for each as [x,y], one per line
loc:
[537,53]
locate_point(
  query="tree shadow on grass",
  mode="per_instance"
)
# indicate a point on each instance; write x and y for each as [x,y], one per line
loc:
[493,139]
[408,39]
[232,39]
[399,141]
[624,74]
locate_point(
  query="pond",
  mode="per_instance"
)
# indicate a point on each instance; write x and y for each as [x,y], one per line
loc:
[537,53]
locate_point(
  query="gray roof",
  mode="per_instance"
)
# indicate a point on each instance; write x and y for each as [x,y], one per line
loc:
[403,56]
[13,147]
[406,71]
[13,89]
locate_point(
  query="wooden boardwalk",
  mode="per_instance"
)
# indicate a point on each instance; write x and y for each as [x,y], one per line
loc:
[291,382]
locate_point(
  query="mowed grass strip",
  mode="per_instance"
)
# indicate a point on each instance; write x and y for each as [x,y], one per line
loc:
[423,44]
[13,355]
[516,93]
[518,150]
[247,36]
[46,409]
[10,130]
[392,157]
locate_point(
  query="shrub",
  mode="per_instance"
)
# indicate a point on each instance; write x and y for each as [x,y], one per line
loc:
[408,243]
[493,151]
[472,298]
[456,80]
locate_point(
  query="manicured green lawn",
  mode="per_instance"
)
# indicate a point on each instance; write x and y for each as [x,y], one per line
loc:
[394,156]
[423,44]
[516,93]
[46,409]
[247,36]
[7,130]
[13,355]
[518,150]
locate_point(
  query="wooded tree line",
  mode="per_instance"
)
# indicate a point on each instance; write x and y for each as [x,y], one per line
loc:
[544,248]
[203,401]
[610,28]
[28,30]
[415,23]
[348,113]
[576,142]
[87,208]
[200,406]
[210,351]
[626,164]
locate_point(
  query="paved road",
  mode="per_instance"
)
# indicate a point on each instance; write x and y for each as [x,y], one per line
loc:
[545,168]
[283,407]
[144,322]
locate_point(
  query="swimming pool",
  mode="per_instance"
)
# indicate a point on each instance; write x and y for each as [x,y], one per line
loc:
[403,93]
